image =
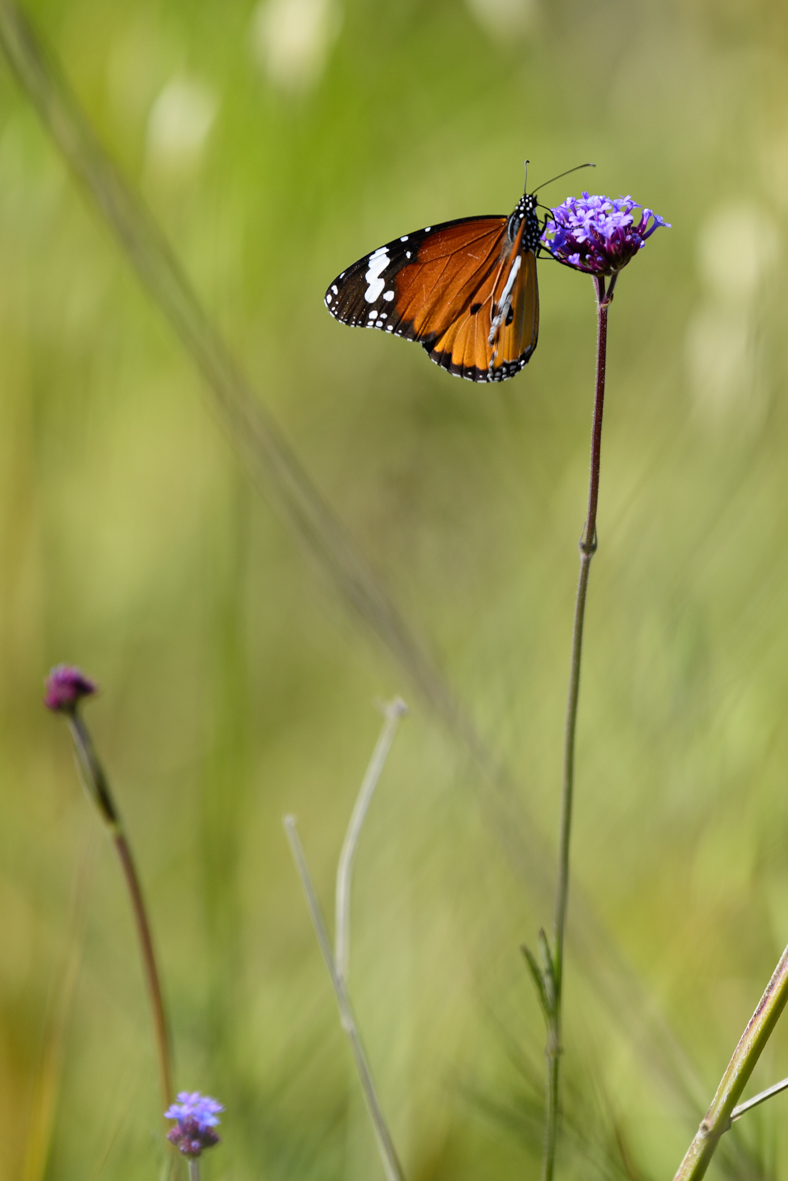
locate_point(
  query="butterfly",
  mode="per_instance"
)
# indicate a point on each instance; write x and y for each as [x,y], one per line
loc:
[466,290]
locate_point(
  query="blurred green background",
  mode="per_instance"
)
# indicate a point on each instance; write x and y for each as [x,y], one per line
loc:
[275,143]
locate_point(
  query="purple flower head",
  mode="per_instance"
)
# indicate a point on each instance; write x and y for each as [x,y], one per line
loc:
[196,1116]
[598,235]
[65,685]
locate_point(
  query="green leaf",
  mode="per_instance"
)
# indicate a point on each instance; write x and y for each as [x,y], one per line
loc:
[548,973]
[539,983]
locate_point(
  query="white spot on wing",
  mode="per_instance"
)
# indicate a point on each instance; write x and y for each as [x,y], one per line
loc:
[404,238]
[388,296]
[510,281]
[377,265]
[505,304]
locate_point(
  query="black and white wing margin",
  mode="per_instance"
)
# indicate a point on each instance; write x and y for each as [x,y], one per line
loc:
[371,293]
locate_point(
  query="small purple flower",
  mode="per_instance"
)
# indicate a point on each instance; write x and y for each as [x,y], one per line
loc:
[598,235]
[65,686]
[197,1116]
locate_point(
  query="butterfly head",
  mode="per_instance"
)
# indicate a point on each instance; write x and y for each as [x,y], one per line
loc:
[525,211]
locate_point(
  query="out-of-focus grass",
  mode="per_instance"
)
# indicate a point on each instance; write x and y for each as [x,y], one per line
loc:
[234,689]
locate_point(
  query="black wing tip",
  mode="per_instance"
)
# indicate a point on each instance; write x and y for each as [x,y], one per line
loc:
[331,296]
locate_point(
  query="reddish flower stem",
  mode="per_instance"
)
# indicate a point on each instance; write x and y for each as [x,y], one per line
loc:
[588,545]
[98,788]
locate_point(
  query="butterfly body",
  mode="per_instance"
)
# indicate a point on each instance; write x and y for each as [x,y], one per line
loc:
[466,290]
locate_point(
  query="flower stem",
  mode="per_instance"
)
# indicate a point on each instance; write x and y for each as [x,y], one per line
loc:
[194,1170]
[588,545]
[97,787]
[721,1113]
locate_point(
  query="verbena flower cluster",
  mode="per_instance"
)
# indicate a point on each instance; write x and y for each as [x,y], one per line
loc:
[196,1116]
[65,686]
[598,235]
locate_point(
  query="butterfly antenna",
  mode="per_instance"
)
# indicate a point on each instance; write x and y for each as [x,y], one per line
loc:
[576,168]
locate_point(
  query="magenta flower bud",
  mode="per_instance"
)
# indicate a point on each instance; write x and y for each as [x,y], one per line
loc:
[196,1116]
[65,686]
[598,235]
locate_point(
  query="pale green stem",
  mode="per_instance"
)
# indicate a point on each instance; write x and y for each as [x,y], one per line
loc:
[757,1100]
[723,1108]
[388,1153]
[393,713]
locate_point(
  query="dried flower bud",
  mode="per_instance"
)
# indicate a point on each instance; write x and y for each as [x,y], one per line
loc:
[196,1116]
[65,686]
[598,235]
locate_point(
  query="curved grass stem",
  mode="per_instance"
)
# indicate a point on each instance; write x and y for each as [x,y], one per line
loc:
[388,1153]
[393,712]
[336,959]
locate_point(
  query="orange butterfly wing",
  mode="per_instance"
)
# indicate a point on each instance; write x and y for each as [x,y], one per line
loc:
[496,333]
[452,262]
[445,287]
